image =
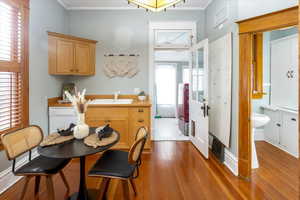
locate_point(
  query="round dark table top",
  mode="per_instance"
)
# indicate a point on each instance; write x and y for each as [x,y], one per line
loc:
[73,148]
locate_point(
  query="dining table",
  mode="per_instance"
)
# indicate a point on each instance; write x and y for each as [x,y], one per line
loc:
[76,148]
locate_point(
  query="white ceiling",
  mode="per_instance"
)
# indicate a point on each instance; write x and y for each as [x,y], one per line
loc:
[122,4]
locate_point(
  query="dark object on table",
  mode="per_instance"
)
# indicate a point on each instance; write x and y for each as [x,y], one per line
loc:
[105,132]
[37,167]
[76,149]
[121,165]
[66,132]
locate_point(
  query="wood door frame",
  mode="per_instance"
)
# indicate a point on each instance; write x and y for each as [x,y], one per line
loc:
[268,22]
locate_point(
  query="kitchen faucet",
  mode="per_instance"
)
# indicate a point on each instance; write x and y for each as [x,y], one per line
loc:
[116,95]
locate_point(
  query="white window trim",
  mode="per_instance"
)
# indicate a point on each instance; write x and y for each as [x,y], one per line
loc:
[167,25]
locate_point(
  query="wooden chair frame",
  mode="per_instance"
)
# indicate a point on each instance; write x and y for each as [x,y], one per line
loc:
[37,176]
[281,19]
[124,181]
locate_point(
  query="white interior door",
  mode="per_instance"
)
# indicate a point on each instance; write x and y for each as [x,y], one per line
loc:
[199,97]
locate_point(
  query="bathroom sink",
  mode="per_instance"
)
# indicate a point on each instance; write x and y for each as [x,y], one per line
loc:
[111,101]
[259,120]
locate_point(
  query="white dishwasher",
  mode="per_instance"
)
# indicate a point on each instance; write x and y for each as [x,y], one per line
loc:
[61,117]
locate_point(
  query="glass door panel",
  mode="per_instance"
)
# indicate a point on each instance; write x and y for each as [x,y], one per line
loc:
[200,75]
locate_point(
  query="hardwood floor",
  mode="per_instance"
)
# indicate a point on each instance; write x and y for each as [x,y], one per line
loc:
[177,171]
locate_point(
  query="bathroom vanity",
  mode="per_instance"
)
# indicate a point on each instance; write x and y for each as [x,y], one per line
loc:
[123,115]
[282,130]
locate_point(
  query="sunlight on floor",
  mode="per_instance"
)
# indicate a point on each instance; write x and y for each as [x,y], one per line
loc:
[167,129]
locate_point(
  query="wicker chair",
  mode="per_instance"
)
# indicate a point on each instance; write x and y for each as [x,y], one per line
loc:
[17,143]
[116,164]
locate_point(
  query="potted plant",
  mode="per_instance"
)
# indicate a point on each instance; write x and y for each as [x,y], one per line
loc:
[142,96]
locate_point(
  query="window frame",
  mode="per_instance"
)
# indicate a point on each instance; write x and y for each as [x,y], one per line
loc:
[23,6]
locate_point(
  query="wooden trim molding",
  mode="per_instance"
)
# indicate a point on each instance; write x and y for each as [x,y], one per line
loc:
[271,21]
[257,65]
[70,37]
[23,7]
[245,105]
[247,28]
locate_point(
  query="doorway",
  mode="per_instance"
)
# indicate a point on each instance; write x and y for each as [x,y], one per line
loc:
[251,85]
[169,78]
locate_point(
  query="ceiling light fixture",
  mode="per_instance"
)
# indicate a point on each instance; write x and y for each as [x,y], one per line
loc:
[155,5]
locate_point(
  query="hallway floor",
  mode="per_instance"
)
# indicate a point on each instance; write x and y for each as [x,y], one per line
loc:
[177,171]
[166,129]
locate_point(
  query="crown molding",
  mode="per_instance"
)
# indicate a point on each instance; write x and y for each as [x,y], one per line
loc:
[129,8]
[63,4]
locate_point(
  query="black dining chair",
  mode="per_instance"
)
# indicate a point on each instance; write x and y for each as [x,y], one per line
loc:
[117,164]
[17,143]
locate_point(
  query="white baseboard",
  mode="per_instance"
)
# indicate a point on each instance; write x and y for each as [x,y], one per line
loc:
[231,162]
[8,179]
[259,135]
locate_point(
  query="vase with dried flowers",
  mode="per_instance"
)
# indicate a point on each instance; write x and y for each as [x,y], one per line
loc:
[80,104]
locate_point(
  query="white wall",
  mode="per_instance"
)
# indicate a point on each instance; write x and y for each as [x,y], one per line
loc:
[252,8]
[121,32]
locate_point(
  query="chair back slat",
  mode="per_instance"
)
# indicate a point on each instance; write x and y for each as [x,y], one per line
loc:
[20,141]
[138,146]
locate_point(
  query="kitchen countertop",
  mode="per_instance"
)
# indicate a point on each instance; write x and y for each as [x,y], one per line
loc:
[276,108]
[53,102]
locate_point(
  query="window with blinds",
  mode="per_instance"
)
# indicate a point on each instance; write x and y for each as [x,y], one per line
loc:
[12,65]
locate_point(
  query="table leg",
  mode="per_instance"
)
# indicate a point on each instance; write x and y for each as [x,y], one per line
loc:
[82,191]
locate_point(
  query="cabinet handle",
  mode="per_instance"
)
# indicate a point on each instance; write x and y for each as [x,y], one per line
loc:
[71,70]
[141,110]
[293,119]
[77,70]
[107,121]
[141,120]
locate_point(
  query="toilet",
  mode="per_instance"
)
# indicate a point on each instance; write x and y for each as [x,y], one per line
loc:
[258,120]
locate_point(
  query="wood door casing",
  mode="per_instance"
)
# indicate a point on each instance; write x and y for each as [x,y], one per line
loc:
[65,56]
[276,20]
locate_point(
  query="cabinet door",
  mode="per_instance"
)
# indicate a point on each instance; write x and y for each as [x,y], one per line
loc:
[95,123]
[292,100]
[272,129]
[65,57]
[121,125]
[289,133]
[279,67]
[82,58]
[140,117]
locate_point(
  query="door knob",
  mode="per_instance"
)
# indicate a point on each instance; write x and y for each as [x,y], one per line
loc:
[203,108]
[207,110]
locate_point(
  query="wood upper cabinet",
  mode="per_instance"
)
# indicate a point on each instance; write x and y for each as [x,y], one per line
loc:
[69,55]
[64,56]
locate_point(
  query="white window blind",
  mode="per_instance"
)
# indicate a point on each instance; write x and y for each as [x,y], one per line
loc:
[11,65]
